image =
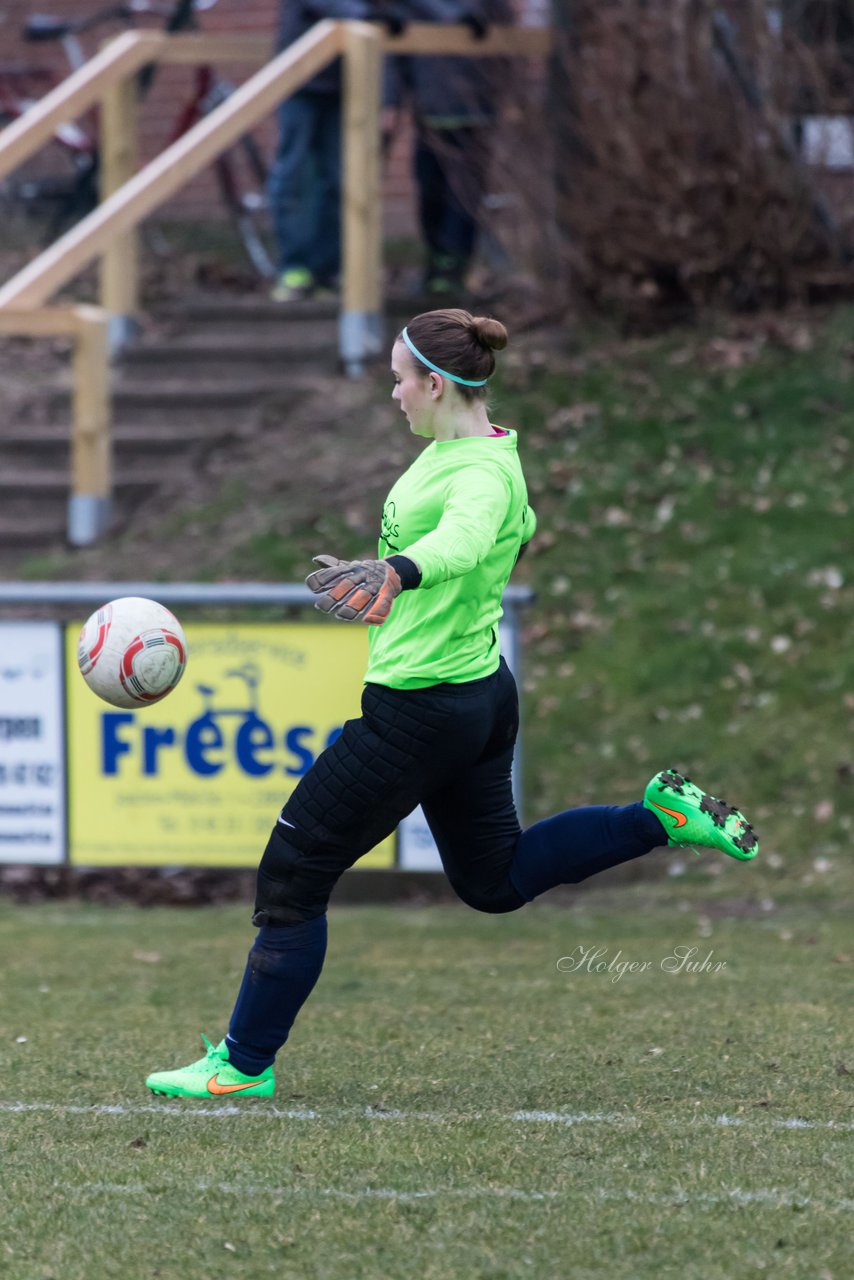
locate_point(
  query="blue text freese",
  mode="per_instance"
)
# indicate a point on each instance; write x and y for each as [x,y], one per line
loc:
[205,748]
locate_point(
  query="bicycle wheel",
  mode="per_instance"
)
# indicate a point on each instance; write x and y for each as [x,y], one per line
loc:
[80,198]
[54,189]
[242,176]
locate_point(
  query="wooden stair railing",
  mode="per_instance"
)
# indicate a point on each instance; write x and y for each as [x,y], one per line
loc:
[109,232]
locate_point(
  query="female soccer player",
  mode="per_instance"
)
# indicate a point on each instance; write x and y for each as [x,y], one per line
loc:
[439,714]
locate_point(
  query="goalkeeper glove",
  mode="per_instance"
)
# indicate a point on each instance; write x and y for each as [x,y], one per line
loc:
[355,590]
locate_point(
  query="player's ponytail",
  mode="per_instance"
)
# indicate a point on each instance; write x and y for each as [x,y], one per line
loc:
[458,345]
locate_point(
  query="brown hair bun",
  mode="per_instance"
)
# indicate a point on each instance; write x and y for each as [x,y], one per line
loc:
[490,333]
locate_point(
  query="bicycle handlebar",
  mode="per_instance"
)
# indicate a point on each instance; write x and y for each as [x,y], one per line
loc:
[43,27]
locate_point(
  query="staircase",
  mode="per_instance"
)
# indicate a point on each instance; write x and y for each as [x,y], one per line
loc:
[199,376]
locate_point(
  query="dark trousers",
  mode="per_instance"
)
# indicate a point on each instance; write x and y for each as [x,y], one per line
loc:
[305,184]
[450,749]
[451,173]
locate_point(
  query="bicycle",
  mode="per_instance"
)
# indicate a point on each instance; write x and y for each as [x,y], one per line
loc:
[65,187]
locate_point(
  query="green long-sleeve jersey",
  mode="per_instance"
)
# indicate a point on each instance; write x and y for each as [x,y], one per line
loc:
[461,513]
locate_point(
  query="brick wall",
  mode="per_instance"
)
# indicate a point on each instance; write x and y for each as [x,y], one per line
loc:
[173,87]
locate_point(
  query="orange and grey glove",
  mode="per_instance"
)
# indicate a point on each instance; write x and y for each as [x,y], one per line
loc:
[356,590]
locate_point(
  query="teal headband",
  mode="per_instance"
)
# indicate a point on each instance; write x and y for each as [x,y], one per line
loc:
[464,382]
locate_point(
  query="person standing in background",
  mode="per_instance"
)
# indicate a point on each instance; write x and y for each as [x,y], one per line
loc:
[305,179]
[454,105]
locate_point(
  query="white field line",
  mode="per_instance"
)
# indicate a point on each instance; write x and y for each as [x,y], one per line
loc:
[558,1117]
[770,1197]
[249,1111]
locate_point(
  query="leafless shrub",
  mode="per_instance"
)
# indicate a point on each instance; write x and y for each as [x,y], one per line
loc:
[676,179]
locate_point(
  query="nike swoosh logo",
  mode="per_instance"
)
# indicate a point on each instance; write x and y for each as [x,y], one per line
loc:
[680,818]
[285,823]
[216,1088]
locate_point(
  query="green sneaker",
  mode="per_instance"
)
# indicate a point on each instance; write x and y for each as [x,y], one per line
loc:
[212,1076]
[691,816]
[438,285]
[294,285]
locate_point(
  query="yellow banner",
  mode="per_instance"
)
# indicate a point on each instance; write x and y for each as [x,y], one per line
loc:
[199,778]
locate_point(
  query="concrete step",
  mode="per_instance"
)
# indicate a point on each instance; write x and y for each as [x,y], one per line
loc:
[141,397]
[216,389]
[318,336]
[44,480]
[198,378]
[41,494]
[50,446]
[234,356]
[211,394]
[32,531]
[218,310]
[312,335]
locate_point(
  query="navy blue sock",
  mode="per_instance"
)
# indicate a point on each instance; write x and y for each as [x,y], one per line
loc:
[283,966]
[579,843]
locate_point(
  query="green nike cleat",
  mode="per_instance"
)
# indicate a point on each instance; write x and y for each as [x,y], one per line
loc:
[691,816]
[212,1076]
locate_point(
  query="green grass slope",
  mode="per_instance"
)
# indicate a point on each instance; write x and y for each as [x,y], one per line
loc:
[695,591]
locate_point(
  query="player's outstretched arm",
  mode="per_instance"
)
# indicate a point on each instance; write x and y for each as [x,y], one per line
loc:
[355,590]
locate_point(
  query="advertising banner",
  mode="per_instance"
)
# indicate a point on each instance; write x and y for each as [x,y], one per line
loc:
[32,765]
[199,778]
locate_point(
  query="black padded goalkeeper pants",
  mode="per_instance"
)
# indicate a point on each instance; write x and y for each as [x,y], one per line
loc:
[448,748]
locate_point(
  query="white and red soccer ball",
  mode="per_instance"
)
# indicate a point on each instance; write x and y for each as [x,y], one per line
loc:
[132,652]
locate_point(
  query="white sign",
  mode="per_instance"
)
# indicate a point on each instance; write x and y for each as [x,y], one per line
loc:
[828,141]
[32,756]
[416,848]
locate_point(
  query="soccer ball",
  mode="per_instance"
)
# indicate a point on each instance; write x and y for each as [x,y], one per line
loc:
[132,652]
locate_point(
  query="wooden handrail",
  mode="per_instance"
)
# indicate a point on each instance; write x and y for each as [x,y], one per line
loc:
[48,322]
[164,175]
[508,42]
[89,503]
[361,223]
[190,48]
[127,53]
[108,232]
[119,266]
[419,37]
[255,99]
[119,59]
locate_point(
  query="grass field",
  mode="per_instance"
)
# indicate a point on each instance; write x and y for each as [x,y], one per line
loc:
[455,1105]
[464,1096]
